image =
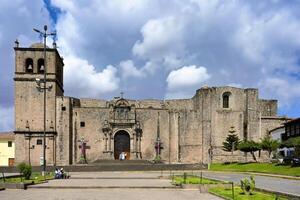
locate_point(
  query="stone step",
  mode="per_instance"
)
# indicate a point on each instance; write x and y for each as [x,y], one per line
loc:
[101,187]
[116,162]
[98,167]
[122,180]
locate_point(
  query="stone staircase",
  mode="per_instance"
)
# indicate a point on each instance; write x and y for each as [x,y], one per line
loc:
[116,165]
[119,162]
[109,180]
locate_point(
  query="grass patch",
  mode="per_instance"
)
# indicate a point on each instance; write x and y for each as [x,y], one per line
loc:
[190,179]
[269,168]
[34,178]
[227,192]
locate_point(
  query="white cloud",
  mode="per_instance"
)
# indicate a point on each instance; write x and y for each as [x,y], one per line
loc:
[7,118]
[183,82]
[83,80]
[186,77]
[129,70]
[162,40]
[65,5]
[286,90]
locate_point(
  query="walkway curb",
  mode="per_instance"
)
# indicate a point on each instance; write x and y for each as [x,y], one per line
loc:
[131,178]
[260,174]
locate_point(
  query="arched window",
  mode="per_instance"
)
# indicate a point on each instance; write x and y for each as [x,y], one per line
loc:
[29,65]
[226,96]
[41,65]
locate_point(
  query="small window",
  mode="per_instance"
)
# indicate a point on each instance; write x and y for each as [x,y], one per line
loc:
[293,130]
[9,143]
[288,131]
[298,129]
[82,124]
[41,66]
[39,142]
[63,108]
[29,65]
[226,100]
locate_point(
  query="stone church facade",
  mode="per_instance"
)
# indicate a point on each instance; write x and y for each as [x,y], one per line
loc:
[178,131]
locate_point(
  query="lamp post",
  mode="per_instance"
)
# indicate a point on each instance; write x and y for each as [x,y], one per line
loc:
[259,120]
[44,88]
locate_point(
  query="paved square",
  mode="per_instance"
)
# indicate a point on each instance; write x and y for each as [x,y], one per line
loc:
[107,186]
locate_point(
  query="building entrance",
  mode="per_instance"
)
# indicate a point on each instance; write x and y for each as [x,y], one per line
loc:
[122,144]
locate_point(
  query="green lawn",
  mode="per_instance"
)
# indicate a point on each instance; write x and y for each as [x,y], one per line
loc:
[193,180]
[227,192]
[269,168]
[35,178]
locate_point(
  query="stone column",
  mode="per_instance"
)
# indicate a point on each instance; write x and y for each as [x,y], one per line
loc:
[134,147]
[138,135]
[132,157]
[109,142]
[105,145]
[140,144]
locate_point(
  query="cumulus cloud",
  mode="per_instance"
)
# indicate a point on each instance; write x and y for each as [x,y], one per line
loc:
[129,70]
[182,81]
[161,39]
[83,80]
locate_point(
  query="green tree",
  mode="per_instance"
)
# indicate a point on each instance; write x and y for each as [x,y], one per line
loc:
[25,170]
[249,147]
[269,145]
[231,143]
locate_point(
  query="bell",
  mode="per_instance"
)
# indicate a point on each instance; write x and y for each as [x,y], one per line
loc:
[29,67]
[42,68]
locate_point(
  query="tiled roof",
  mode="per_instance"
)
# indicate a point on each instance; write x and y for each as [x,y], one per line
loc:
[7,136]
[293,121]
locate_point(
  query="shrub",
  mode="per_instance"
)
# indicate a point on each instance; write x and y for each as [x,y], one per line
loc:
[247,185]
[157,159]
[25,170]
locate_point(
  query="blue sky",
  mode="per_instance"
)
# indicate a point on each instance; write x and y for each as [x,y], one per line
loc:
[160,48]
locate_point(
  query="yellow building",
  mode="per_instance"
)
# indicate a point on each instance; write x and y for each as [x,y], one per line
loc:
[7,149]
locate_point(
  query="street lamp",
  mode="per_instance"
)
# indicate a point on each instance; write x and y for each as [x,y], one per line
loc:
[43,89]
[259,120]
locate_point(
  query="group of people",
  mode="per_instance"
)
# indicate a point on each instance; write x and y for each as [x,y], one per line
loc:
[60,174]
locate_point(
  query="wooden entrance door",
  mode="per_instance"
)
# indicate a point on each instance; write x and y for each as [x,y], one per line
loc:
[121,144]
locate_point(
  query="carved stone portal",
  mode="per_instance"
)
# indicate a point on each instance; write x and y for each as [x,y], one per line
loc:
[122,117]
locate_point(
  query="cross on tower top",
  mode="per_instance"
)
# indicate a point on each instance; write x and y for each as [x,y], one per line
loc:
[122,93]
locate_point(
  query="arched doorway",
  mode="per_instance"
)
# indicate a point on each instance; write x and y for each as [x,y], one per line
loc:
[121,144]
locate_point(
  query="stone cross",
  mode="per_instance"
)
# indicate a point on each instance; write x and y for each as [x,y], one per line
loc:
[83,148]
[158,146]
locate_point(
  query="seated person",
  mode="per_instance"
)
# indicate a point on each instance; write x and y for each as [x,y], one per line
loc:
[57,174]
[62,173]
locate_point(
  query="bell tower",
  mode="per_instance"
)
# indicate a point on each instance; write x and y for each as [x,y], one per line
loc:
[29,98]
